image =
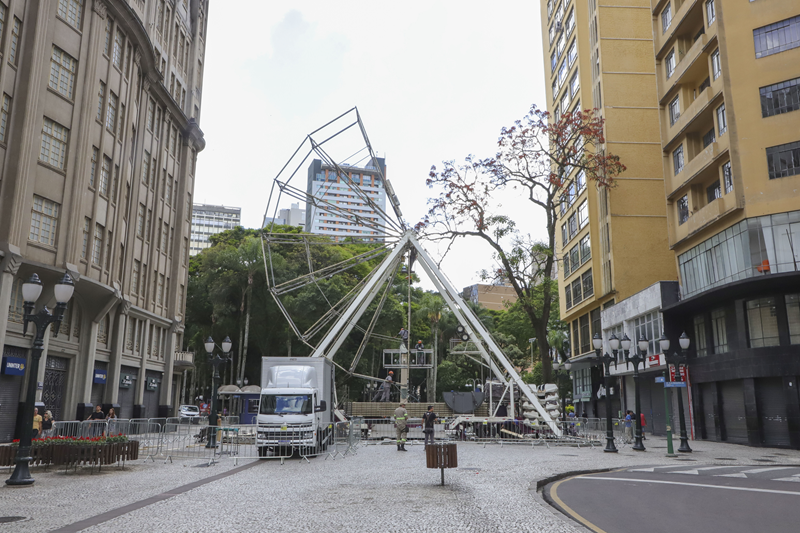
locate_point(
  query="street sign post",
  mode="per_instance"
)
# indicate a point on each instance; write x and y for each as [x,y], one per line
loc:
[660,379]
[675,384]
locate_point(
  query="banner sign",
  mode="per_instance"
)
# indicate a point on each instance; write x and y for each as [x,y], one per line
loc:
[14,366]
[654,360]
[125,381]
[151,384]
[675,384]
[672,373]
[100,376]
[660,379]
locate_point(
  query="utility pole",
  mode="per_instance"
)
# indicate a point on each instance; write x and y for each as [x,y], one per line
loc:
[405,371]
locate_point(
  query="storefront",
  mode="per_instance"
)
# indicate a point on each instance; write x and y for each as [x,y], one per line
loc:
[12,373]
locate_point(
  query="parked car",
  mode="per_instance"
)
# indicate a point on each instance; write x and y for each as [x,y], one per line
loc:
[188,411]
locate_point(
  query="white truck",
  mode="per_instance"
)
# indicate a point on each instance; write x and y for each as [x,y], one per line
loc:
[296,408]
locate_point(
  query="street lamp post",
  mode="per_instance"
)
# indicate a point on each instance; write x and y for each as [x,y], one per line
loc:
[636,359]
[31,290]
[556,366]
[215,361]
[678,361]
[605,361]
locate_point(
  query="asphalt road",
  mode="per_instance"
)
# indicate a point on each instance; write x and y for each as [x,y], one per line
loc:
[706,498]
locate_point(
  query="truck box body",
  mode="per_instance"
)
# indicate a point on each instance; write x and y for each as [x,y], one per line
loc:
[296,407]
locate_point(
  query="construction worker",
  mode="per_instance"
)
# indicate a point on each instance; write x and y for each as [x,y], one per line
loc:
[386,388]
[403,338]
[400,421]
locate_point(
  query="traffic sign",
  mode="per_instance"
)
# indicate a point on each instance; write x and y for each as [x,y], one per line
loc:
[660,379]
[675,384]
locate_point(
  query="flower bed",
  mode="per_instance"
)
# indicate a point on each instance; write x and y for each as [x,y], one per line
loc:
[70,451]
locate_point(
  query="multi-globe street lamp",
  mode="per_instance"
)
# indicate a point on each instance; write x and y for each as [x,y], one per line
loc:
[678,361]
[605,361]
[215,361]
[637,358]
[31,290]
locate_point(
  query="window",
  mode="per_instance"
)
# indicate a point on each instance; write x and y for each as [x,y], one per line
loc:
[666,18]
[701,346]
[109,245]
[15,31]
[97,244]
[173,140]
[137,268]
[783,160]
[575,258]
[4,111]
[716,66]
[586,248]
[669,63]
[162,245]
[121,122]
[146,168]
[54,144]
[649,325]
[562,43]
[94,166]
[588,286]
[674,110]
[580,180]
[708,138]
[140,222]
[100,100]
[44,221]
[562,74]
[711,12]
[572,54]
[3,10]
[553,61]
[727,177]
[87,224]
[111,115]
[555,92]
[108,35]
[793,314]
[564,234]
[168,191]
[160,290]
[573,225]
[586,338]
[683,209]
[577,295]
[777,37]
[719,330]
[150,114]
[105,171]
[677,159]
[570,24]
[62,72]
[722,120]
[762,322]
[713,191]
[780,98]
[566,267]
[574,85]
[71,11]
[583,214]
[565,106]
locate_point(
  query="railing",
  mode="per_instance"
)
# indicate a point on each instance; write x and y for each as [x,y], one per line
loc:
[397,358]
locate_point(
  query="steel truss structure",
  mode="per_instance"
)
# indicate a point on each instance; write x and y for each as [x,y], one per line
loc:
[395,240]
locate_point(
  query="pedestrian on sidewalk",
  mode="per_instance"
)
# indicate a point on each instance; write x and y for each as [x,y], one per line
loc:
[401,426]
[47,424]
[37,423]
[644,425]
[428,420]
[628,426]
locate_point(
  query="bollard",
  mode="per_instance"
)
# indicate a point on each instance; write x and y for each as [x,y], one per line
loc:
[441,455]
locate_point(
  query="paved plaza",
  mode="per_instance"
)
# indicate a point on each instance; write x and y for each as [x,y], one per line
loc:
[379,489]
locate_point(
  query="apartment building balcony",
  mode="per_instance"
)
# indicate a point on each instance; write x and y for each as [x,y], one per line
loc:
[696,110]
[691,67]
[689,10]
[703,217]
[183,360]
[698,168]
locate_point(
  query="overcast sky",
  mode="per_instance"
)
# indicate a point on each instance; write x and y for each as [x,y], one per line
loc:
[433,81]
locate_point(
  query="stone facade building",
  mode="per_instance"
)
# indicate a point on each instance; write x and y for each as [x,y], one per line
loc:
[99,135]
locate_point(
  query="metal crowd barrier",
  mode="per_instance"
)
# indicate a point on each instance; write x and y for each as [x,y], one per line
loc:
[379,429]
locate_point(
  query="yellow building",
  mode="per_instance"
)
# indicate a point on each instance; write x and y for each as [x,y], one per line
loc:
[611,243]
[493,297]
[729,96]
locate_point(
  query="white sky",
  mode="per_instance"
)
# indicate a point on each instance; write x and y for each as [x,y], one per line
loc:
[433,81]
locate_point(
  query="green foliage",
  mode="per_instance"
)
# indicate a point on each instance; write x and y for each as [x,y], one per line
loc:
[534,377]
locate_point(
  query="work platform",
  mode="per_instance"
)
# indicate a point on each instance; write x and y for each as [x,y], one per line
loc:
[398,358]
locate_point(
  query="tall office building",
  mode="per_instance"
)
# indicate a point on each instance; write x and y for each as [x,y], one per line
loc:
[208,220]
[612,242]
[292,216]
[332,191]
[729,93]
[99,134]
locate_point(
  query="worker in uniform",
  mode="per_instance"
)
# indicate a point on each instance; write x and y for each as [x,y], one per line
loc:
[386,387]
[400,424]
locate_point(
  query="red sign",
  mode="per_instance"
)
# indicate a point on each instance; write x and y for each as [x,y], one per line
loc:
[672,373]
[654,360]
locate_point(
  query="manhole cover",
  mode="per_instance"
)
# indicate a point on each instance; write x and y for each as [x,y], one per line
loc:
[724,459]
[7,519]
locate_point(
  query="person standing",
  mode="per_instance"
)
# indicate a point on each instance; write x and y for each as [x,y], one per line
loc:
[628,426]
[96,415]
[401,426]
[47,424]
[644,425]
[37,423]
[404,338]
[386,387]
[428,420]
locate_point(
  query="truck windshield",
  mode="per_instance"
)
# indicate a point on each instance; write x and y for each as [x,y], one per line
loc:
[299,404]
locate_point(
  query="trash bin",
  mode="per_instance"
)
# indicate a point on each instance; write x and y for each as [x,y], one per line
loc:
[442,455]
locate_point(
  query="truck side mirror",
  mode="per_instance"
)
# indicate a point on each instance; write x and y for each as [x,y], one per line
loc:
[322,406]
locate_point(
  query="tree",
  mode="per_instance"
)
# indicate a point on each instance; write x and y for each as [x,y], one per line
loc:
[546,161]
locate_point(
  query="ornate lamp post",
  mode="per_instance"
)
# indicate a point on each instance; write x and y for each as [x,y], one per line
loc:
[636,359]
[215,361]
[605,361]
[678,361]
[31,290]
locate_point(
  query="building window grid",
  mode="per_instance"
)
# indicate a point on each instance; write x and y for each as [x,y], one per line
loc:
[87,224]
[777,37]
[762,323]
[97,244]
[677,159]
[107,44]
[722,120]
[62,72]
[100,101]
[15,32]
[666,18]
[44,221]
[783,160]
[709,137]
[4,112]
[780,98]
[669,63]
[111,114]
[701,346]
[54,144]
[674,110]
[711,12]
[727,177]
[793,315]
[683,209]
[105,171]
[716,64]
[649,325]
[719,330]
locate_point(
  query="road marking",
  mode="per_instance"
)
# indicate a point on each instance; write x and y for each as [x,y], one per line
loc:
[569,510]
[795,478]
[697,471]
[755,471]
[659,482]
[652,468]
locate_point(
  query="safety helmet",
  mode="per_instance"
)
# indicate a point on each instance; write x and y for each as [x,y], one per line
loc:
[390,372]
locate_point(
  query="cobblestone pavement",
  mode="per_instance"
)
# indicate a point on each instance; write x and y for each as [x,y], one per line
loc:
[380,489]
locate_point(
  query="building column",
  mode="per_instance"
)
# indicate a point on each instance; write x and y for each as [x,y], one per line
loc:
[9,266]
[751,412]
[792,410]
[138,401]
[166,404]
[115,362]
